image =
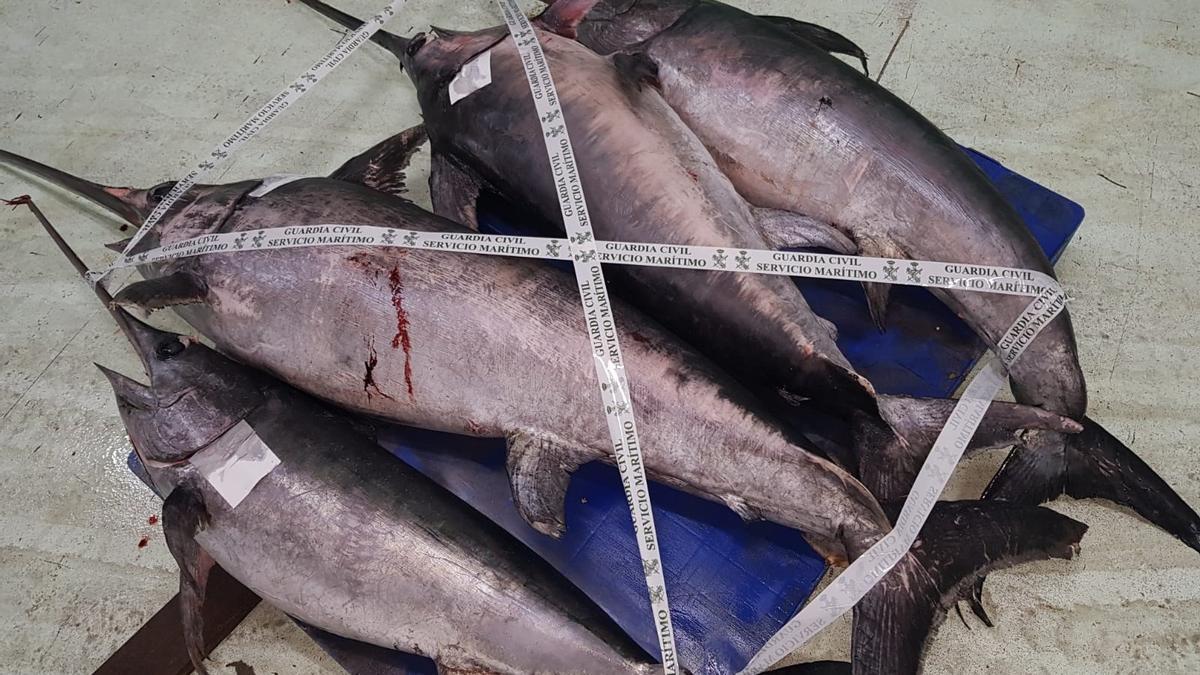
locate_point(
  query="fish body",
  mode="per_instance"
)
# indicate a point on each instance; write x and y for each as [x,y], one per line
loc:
[798,130]
[492,347]
[482,345]
[343,536]
[649,180]
[338,533]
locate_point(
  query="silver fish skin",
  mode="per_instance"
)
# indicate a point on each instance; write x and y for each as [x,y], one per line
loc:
[477,345]
[648,180]
[799,130]
[495,347]
[492,347]
[345,537]
[340,534]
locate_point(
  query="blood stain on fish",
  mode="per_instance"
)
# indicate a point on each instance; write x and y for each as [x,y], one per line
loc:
[401,339]
[366,262]
[152,520]
[143,542]
[369,375]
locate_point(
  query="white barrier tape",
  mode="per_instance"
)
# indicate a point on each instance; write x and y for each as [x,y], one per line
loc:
[862,575]
[258,121]
[610,368]
[926,274]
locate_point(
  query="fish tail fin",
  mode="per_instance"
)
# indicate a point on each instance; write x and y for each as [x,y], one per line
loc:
[960,542]
[887,458]
[389,41]
[1092,464]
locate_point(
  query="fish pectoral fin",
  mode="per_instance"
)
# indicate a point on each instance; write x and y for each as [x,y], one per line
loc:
[637,68]
[878,293]
[184,514]
[539,469]
[788,229]
[454,191]
[829,40]
[382,167]
[179,288]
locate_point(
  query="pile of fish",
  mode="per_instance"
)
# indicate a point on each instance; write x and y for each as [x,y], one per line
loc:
[694,123]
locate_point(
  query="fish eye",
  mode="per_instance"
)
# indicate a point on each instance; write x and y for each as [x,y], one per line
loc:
[168,349]
[159,192]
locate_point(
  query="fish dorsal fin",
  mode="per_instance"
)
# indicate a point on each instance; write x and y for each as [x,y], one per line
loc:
[383,166]
[830,41]
[185,514]
[564,16]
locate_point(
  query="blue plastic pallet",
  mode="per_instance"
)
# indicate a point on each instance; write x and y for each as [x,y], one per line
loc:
[732,584]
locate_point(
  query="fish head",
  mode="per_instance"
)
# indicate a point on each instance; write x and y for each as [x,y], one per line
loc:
[607,26]
[195,394]
[433,59]
[200,210]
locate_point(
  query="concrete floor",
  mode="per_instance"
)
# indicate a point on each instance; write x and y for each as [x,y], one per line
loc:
[134,92]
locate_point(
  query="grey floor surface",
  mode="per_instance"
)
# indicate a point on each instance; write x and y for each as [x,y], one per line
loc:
[1099,100]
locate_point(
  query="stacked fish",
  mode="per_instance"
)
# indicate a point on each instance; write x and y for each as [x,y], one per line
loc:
[694,124]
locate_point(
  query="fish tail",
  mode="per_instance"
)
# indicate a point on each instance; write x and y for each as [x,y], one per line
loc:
[1092,464]
[886,458]
[959,543]
[389,41]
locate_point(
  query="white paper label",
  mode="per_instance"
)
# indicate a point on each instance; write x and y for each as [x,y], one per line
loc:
[271,182]
[236,464]
[474,76]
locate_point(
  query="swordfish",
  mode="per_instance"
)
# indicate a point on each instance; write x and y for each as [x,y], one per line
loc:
[798,130]
[486,346]
[341,534]
[650,180]
[658,185]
